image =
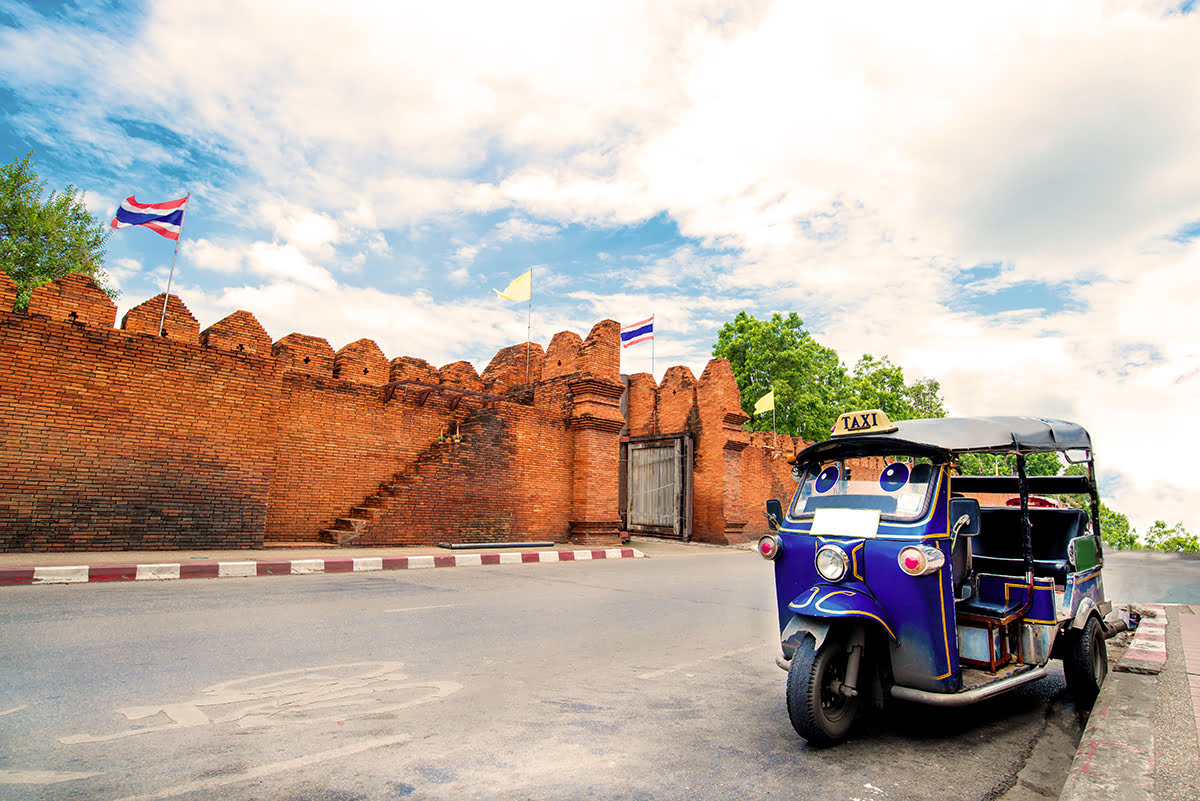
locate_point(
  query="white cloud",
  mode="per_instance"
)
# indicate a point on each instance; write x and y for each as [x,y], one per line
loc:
[208,255]
[287,263]
[516,229]
[306,230]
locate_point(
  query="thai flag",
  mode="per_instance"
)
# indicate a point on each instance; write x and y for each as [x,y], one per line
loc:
[162,218]
[638,332]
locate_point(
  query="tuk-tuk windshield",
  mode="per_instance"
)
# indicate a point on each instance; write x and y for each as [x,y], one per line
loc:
[899,487]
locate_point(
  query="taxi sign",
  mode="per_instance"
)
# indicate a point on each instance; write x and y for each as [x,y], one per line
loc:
[871,421]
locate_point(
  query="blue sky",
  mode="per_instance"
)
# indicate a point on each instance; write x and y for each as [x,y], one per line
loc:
[1004,198]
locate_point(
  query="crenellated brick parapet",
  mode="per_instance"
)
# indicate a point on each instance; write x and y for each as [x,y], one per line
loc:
[75,298]
[361,362]
[240,332]
[179,323]
[514,366]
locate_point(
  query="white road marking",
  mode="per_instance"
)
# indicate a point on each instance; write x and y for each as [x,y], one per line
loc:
[14,709]
[304,566]
[654,674]
[419,608]
[287,697]
[202,785]
[41,776]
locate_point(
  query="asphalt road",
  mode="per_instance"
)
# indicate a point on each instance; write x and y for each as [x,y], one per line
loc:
[649,678]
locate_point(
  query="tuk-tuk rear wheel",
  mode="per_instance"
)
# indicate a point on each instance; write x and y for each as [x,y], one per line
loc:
[1086,663]
[820,712]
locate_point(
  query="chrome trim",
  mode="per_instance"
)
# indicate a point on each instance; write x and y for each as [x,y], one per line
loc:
[842,559]
[965,698]
[777,542]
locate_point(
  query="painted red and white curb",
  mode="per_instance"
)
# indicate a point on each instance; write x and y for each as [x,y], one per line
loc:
[1148,651]
[79,574]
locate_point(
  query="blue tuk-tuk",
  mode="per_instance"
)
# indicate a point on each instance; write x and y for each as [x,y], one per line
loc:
[893,580]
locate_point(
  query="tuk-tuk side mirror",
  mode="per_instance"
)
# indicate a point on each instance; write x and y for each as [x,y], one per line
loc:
[774,514]
[964,516]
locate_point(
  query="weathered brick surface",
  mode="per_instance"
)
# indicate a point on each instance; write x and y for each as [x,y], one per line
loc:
[676,401]
[301,353]
[240,332]
[641,405]
[8,292]
[75,298]
[461,374]
[506,478]
[179,323]
[112,441]
[408,368]
[362,362]
[766,474]
[335,441]
[562,357]
[513,366]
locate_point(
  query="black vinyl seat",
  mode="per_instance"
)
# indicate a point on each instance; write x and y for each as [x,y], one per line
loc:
[997,549]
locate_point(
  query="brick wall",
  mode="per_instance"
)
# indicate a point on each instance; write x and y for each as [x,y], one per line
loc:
[123,439]
[115,441]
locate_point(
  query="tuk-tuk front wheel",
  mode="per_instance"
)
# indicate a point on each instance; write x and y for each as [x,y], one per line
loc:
[1086,663]
[821,712]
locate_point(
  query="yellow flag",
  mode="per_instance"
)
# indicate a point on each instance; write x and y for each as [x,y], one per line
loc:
[766,403]
[520,288]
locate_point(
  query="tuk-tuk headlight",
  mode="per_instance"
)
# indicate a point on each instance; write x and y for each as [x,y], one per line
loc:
[920,560]
[832,563]
[770,546]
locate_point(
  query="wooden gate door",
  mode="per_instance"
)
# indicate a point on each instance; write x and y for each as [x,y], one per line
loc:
[658,486]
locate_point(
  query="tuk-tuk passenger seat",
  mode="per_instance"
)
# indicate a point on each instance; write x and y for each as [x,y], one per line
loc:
[997,548]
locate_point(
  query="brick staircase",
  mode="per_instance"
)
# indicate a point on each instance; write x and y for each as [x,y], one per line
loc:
[403,490]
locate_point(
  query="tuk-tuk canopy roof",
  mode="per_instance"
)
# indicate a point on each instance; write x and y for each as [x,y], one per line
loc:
[953,435]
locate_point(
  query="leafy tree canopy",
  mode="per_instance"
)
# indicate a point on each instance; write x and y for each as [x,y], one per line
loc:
[1116,531]
[812,386]
[43,238]
[1005,464]
[1176,538]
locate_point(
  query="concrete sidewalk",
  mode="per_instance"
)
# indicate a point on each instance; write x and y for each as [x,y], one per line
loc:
[76,567]
[1142,740]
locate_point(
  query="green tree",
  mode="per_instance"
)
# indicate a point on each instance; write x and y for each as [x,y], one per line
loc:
[879,384]
[1116,531]
[43,238]
[1176,538]
[1005,464]
[812,386]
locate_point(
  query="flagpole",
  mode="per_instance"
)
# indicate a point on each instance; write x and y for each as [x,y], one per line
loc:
[163,318]
[652,349]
